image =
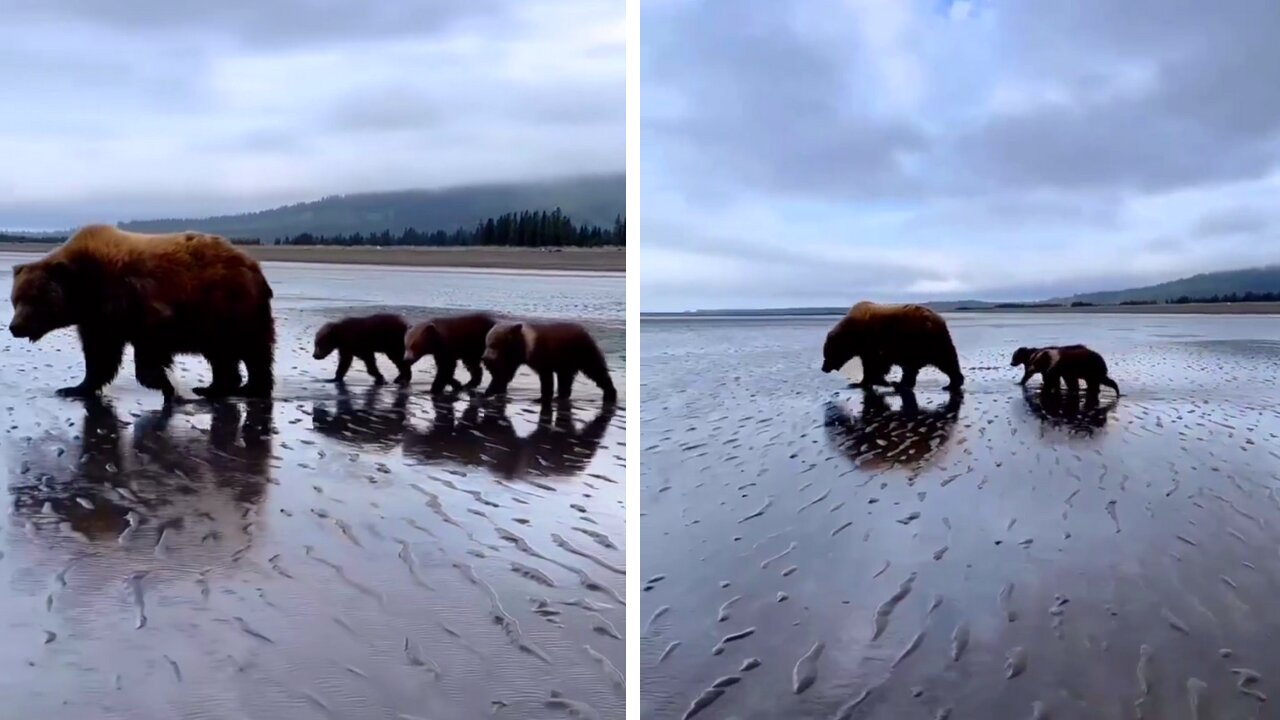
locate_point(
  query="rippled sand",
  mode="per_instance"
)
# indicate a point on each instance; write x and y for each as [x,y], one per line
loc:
[814,551]
[354,552]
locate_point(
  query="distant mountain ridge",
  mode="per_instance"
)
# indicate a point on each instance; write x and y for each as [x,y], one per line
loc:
[596,200]
[1265,279]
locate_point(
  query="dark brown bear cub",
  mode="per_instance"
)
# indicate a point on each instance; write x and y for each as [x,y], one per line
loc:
[909,336]
[556,351]
[364,338]
[1023,355]
[450,340]
[167,295]
[1072,364]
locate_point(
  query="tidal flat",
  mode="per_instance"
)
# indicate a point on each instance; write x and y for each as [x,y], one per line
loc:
[814,551]
[352,551]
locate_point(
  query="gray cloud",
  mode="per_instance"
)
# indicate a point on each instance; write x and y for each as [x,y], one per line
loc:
[1023,147]
[266,24]
[145,108]
[1233,221]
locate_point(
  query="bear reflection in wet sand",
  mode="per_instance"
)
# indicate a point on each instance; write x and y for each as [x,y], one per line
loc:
[1084,415]
[882,436]
[481,436]
[373,424]
[95,488]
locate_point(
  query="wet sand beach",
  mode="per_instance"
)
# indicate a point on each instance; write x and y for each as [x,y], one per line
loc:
[583,260]
[340,552]
[812,551]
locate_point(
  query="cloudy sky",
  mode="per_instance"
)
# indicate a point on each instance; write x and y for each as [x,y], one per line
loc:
[133,109]
[820,152]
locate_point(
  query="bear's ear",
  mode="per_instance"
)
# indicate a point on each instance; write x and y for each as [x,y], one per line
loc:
[431,333]
[516,328]
[17,270]
[61,272]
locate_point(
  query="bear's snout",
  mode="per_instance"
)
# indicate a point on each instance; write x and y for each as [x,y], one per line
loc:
[410,357]
[826,368]
[20,327]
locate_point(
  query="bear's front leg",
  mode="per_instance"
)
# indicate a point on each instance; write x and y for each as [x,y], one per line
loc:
[102,356]
[874,369]
[547,381]
[371,367]
[477,373]
[498,381]
[226,378]
[445,367]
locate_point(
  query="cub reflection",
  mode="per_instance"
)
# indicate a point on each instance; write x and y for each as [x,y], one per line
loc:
[1081,414]
[880,436]
[371,425]
[484,437]
[169,478]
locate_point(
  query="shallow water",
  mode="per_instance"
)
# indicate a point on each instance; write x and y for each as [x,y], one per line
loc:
[352,552]
[990,556]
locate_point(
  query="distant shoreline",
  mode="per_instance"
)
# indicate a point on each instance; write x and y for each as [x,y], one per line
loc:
[1252,308]
[585,260]
[1258,308]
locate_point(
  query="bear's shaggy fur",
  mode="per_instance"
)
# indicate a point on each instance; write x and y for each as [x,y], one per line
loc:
[175,294]
[556,351]
[365,337]
[450,340]
[1023,355]
[909,336]
[1072,364]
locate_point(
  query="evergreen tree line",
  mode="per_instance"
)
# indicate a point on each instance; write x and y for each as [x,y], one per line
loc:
[525,229]
[1233,297]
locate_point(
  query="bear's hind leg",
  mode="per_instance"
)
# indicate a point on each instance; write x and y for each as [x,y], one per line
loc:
[949,364]
[102,358]
[405,372]
[599,374]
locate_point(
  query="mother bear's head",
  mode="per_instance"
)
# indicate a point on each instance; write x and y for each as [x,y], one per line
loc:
[842,344]
[43,298]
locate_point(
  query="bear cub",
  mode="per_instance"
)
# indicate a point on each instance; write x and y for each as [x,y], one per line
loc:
[1023,356]
[450,340]
[364,337]
[556,351]
[1071,364]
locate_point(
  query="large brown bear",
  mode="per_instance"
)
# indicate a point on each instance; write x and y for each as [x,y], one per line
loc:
[450,340]
[556,351]
[364,337]
[180,293]
[909,336]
